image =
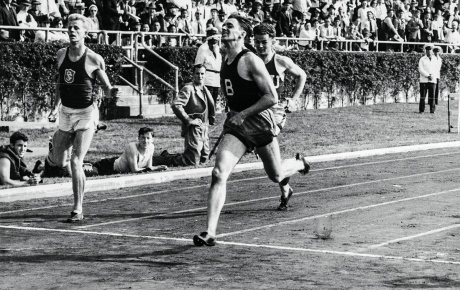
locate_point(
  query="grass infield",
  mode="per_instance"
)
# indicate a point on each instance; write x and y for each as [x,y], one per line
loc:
[311,132]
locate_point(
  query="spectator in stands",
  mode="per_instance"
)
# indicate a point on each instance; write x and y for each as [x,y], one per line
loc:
[198,23]
[184,26]
[427,67]
[413,28]
[13,170]
[231,7]
[213,19]
[155,14]
[49,8]
[80,8]
[326,32]
[222,16]
[8,18]
[299,7]
[172,41]
[370,24]
[354,34]
[438,27]
[136,158]
[147,38]
[284,20]
[110,19]
[194,106]
[400,23]
[308,32]
[58,35]
[209,55]
[426,33]
[94,22]
[256,11]
[380,14]
[367,45]
[157,40]
[453,38]
[361,11]
[23,16]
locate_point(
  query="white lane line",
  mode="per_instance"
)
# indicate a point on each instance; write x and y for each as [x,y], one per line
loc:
[274,247]
[231,181]
[414,236]
[338,212]
[271,197]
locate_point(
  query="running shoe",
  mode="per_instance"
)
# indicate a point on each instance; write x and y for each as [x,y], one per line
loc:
[204,239]
[284,200]
[306,169]
[75,217]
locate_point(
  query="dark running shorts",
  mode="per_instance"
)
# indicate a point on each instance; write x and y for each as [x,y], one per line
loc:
[255,132]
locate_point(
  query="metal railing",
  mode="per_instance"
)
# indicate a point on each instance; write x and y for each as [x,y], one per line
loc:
[127,39]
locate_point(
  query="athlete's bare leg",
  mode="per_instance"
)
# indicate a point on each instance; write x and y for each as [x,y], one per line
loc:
[230,152]
[80,148]
[278,170]
[62,142]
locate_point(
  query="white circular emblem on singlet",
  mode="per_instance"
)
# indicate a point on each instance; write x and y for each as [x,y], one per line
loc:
[69,75]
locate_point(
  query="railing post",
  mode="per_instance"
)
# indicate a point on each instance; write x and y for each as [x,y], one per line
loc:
[141,90]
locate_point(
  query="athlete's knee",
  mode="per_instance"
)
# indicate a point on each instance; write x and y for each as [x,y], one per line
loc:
[218,175]
[276,177]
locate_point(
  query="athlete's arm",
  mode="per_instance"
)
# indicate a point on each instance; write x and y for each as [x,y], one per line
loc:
[298,73]
[99,69]
[57,95]
[256,71]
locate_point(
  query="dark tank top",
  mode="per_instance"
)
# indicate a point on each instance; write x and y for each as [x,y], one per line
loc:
[241,94]
[76,86]
[277,80]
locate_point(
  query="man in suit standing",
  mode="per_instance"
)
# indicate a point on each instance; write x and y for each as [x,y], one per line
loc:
[8,18]
[194,106]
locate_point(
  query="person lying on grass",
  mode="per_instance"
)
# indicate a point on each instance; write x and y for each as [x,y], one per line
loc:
[13,170]
[137,157]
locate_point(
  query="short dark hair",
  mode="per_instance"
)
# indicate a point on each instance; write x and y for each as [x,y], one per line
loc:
[244,22]
[16,136]
[265,28]
[144,130]
[198,66]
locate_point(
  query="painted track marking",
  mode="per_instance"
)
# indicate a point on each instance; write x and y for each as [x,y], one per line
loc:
[274,247]
[272,197]
[414,236]
[231,181]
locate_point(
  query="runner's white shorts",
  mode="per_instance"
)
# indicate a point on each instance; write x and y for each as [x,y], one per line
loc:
[72,120]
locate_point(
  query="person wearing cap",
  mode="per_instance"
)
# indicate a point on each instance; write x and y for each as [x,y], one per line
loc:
[428,70]
[208,54]
[13,170]
[413,28]
[426,33]
[256,11]
[284,19]
[155,13]
[23,16]
[8,18]
[437,50]
[137,157]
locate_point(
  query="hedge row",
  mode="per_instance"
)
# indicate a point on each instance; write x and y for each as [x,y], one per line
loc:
[357,76]
[28,72]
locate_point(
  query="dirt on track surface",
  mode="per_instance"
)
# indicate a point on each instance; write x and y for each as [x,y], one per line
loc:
[394,222]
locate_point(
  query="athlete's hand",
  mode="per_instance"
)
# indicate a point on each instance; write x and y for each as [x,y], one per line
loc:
[195,122]
[52,115]
[114,93]
[237,120]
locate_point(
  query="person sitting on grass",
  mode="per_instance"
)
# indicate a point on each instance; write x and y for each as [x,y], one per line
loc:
[13,170]
[137,157]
